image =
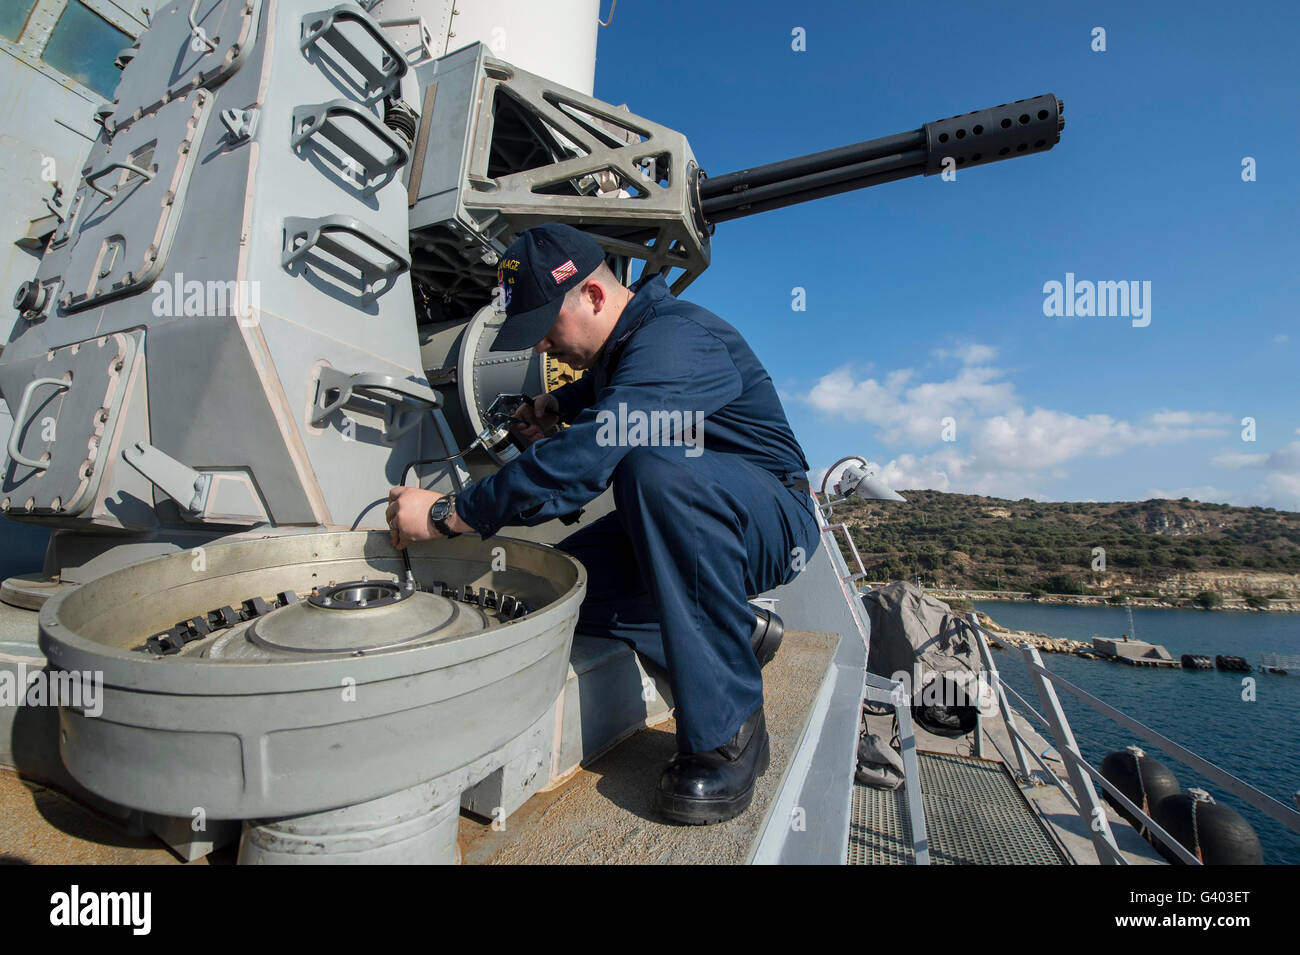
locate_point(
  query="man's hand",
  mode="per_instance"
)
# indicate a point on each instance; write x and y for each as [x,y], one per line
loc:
[533,421]
[408,516]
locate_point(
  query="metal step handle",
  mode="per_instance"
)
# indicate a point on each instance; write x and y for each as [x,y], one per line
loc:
[20,416]
[146,174]
[323,25]
[317,233]
[397,395]
[311,120]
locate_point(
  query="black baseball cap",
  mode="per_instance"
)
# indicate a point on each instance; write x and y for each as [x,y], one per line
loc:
[534,275]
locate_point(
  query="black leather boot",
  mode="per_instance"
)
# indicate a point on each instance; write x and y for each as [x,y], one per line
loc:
[701,788]
[768,631]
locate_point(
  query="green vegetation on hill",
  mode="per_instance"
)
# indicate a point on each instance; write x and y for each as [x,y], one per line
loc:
[973,542]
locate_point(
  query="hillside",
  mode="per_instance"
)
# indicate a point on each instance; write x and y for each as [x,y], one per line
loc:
[1152,548]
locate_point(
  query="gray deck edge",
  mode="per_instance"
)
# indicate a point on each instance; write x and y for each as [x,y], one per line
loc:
[825,792]
[776,827]
[820,780]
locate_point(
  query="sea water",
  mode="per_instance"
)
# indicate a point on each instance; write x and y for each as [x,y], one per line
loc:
[1247,724]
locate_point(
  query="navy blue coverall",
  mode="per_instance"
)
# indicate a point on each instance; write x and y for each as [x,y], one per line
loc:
[702,520]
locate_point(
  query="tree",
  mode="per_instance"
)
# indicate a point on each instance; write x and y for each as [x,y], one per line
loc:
[931,560]
[1207,600]
[1064,584]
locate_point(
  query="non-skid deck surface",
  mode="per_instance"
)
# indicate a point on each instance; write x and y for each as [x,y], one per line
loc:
[602,814]
[39,826]
[605,814]
[975,814]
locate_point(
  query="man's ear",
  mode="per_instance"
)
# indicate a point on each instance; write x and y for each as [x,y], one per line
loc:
[594,292]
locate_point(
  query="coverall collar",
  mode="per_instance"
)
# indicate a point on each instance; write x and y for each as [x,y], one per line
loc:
[646,292]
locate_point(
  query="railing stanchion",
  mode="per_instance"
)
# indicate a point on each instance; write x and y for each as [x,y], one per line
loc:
[1098,825]
[881,690]
[986,658]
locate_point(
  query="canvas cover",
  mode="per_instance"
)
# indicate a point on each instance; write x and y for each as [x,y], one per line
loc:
[916,634]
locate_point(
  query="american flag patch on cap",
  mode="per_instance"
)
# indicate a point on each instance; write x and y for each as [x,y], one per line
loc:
[567,270]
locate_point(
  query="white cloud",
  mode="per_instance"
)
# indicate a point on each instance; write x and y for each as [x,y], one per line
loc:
[911,412]
[1280,481]
[1002,447]
[1284,460]
[970,354]
[1238,459]
[1282,490]
[1040,439]
[1187,419]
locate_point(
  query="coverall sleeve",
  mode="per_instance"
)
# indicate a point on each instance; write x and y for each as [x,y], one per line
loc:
[574,397]
[671,364]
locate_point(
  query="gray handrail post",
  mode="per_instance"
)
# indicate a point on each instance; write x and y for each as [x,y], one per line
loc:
[881,690]
[912,781]
[1091,810]
[986,659]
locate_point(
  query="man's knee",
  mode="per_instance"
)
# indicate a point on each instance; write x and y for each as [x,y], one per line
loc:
[649,471]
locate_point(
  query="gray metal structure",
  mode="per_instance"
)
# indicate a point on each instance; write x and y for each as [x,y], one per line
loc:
[215,341]
[324,702]
[268,290]
[48,112]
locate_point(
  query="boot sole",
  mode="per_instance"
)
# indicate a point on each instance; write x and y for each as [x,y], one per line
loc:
[705,812]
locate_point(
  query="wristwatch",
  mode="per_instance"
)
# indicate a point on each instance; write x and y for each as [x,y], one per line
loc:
[441,509]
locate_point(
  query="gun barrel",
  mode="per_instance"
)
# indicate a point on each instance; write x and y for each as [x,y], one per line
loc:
[959,142]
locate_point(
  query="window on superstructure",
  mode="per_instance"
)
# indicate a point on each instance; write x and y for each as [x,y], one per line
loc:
[84,46]
[13,17]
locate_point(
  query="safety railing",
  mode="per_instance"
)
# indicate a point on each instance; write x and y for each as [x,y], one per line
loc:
[893,693]
[1081,773]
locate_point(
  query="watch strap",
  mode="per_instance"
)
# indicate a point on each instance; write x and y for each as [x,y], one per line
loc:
[440,522]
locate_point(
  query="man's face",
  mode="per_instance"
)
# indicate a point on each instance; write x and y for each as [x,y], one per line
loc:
[581,328]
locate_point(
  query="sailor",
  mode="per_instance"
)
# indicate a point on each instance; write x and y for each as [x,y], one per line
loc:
[709,485]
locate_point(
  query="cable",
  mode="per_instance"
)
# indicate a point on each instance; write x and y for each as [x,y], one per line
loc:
[406,471]
[499,418]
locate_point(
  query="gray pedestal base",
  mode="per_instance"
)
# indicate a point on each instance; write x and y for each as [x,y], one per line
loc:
[416,826]
[407,828]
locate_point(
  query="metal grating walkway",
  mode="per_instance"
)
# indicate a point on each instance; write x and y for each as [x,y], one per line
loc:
[975,814]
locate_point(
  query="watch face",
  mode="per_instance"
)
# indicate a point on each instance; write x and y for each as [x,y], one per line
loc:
[441,508]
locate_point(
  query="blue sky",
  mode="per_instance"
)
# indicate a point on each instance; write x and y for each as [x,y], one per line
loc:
[925,298]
